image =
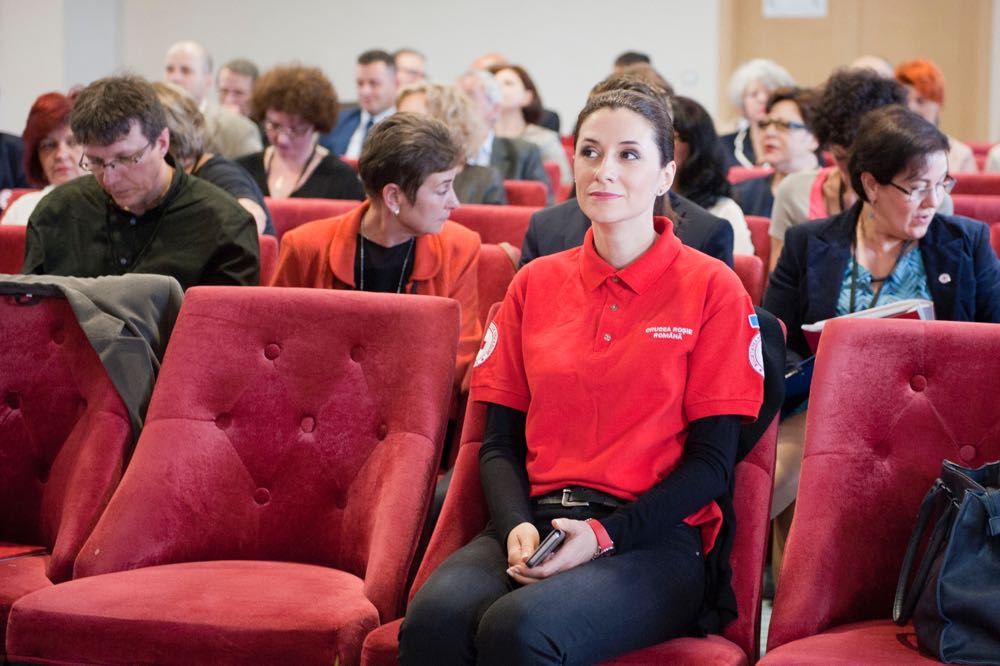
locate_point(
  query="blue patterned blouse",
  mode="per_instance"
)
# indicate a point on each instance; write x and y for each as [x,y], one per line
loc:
[907,280]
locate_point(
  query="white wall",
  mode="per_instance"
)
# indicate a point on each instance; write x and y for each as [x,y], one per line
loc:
[567,45]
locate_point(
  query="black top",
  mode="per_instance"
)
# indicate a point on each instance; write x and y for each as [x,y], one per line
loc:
[12,162]
[198,234]
[332,179]
[738,141]
[234,179]
[754,195]
[563,226]
[386,269]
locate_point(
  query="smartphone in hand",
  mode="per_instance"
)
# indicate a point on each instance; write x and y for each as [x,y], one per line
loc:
[548,545]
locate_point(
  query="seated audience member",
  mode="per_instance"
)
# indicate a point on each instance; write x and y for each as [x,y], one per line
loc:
[749,87]
[400,239]
[515,159]
[375,75]
[701,169]
[51,154]
[924,84]
[565,226]
[891,244]
[411,66]
[789,147]
[235,83]
[649,479]
[629,58]
[189,65]
[295,102]
[474,184]
[811,195]
[520,110]
[137,213]
[187,147]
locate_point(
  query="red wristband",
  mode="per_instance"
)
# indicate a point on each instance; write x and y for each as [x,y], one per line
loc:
[605,546]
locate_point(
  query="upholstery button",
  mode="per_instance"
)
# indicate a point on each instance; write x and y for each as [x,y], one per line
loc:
[58,336]
[223,421]
[607,337]
[382,431]
[13,400]
[918,383]
[967,453]
[308,424]
[357,353]
[261,496]
[271,351]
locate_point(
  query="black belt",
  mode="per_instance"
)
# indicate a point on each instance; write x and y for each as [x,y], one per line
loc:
[579,496]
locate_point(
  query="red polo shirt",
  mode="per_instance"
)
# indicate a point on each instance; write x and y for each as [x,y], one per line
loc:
[611,365]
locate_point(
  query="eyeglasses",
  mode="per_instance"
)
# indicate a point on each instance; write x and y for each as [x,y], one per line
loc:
[275,128]
[780,125]
[918,194]
[98,167]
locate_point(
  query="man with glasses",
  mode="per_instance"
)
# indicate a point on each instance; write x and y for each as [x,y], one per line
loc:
[137,213]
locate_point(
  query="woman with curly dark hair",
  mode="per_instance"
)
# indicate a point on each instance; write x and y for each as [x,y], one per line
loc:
[295,102]
[701,169]
[811,195]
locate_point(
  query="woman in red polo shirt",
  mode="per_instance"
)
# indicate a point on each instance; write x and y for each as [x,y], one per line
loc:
[617,376]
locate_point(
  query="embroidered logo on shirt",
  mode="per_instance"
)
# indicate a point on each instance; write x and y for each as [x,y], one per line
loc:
[489,344]
[756,354]
[669,332]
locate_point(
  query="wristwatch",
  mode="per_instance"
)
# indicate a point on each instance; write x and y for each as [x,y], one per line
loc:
[605,546]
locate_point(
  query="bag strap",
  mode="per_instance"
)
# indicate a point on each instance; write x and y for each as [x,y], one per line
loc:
[906,597]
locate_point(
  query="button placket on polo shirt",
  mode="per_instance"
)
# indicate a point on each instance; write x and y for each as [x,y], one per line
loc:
[611,322]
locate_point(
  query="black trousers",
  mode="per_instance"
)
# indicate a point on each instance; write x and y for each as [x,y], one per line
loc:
[471,611]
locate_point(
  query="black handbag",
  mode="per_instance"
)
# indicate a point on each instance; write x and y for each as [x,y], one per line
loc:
[954,597]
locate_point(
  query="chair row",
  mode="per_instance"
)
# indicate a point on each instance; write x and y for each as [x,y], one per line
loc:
[965,183]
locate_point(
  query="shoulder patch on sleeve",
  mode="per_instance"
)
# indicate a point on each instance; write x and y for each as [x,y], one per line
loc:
[490,343]
[756,354]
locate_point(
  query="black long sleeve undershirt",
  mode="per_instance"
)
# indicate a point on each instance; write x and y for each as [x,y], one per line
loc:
[704,473]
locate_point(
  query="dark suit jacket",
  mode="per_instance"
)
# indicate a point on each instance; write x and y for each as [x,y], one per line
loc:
[336,140]
[561,227]
[963,273]
[754,196]
[517,159]
[12,162]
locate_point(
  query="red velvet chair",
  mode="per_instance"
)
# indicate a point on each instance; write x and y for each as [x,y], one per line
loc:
[760,237]
[289,213]
[977,183]
[554,174]
[526,192]
[753,275]
[495,224]
[984,207]
[272,507]
[738,174]
[64,436]
[496,270]
[268,258]
[9,196]
[465,513]
[890,400]
[12,248]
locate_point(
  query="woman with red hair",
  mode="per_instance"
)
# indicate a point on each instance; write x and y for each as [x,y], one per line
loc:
[51,154]
[925,86]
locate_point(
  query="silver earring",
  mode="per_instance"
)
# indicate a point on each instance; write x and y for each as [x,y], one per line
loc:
[395,211]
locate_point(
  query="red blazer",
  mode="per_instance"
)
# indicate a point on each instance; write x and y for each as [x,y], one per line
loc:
[321,254]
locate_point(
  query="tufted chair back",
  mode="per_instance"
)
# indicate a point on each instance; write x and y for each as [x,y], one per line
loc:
[64,432]
[286,214]
[300,425]
[496,224]
[12,247]
[890,400]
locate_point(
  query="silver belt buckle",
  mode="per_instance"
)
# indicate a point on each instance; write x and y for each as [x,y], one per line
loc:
[566,501]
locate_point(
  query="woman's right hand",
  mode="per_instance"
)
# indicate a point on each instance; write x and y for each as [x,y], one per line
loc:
[522,541]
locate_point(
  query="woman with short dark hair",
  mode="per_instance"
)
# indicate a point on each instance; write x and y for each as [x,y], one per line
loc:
[892,244]
[295,102]
[399,240]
